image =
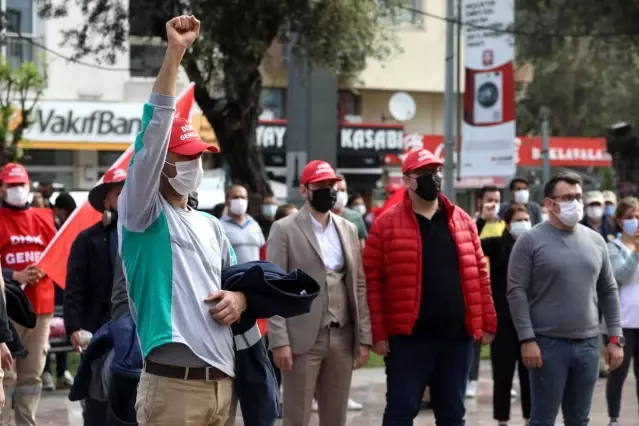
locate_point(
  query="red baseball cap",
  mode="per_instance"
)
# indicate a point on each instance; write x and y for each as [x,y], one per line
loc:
[421,158]
[184,140]
[111,178]
[14,173]
[318,171]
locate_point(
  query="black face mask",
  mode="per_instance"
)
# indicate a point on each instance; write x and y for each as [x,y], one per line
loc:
[428,186]
[109,218]
[323,199]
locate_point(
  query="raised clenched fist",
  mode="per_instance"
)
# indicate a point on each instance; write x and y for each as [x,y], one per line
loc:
[182,31]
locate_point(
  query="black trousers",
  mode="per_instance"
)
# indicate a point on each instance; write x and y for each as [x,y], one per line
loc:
[616,378]
[94,412]
[278,373]
[505,355]
[473,375]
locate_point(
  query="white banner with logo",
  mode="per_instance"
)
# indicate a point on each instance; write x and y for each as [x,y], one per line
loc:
[489,131]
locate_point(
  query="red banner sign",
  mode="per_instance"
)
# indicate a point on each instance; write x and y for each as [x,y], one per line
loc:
[564,151]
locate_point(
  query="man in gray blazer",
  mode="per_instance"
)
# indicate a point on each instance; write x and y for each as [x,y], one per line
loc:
[318,351]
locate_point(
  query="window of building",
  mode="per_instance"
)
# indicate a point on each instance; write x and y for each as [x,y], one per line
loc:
[108,158]
[47,157]
[350,104]
[146,51]
[408,13]
[272,104]
[20,28]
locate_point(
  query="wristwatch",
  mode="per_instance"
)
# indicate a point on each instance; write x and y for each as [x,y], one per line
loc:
[617,340]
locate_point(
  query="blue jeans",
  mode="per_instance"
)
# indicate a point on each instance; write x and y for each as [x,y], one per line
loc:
[567,378]
[415,362]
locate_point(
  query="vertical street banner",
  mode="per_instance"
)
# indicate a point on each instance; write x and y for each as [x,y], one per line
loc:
[489,131]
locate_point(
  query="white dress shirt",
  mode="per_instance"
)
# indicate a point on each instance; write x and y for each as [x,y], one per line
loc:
[329,243]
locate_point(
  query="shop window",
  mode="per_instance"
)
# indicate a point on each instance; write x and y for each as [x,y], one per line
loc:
[272,104]
[350,104]
[146,51]
[408,13]
[47,157]
[64,178]
[107,158]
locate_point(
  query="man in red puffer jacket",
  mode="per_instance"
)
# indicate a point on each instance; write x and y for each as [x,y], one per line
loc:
[429,296]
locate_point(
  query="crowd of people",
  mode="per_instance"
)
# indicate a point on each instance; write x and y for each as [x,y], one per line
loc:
[171,294]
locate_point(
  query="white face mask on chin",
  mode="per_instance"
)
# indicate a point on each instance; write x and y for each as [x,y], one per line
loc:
[189,176]
[341,201]
[17,196]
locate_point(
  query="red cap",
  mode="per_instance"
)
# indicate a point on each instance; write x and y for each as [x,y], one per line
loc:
[110,179]
[184,139]
[14,173]
[418,159]
[318,171]
[114,175]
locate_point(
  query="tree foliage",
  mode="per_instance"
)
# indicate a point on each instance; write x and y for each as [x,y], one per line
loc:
[235,37]
[584,56]
[20,90]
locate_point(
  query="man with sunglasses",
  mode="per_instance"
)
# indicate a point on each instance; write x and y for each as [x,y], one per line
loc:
[559,276]
[429,296]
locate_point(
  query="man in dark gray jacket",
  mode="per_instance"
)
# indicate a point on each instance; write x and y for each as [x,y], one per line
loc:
[119,295]
[559,276]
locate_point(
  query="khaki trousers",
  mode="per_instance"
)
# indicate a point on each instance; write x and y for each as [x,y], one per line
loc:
[24,380]
[325,371]
[174,402]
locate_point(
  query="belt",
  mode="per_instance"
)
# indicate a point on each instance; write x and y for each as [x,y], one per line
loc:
[184,373]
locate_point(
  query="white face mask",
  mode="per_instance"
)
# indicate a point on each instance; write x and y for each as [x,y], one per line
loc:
[571,212]
[360,208]
[595,212]
[17,196]
[342,199]
[522,196]
[189,176]
[518,228]
[238,206]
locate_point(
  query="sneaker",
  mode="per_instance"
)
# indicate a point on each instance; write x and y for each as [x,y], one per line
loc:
[47,382]
[471,389]
[513,393]
[68,378]
[614,423]
[354,406]
[314,407]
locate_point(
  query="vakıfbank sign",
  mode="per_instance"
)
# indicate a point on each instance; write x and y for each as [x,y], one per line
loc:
[59,121]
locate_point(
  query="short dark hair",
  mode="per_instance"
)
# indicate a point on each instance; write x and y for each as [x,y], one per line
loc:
[512,209]
[282,211]
[518,179]
[65,201]
[487,188]
[570,178]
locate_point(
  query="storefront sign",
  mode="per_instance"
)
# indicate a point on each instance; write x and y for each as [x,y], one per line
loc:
[564,151]
[371,138]
[270,136]
[85,122]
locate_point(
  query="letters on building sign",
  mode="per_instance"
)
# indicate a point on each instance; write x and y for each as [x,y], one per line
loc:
[270,136]
[573,154]
[97,122]
[367,139]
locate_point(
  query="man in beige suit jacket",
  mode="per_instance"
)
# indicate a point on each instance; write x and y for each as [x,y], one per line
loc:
[318,351]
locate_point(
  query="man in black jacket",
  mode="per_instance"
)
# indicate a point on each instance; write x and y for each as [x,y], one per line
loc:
[87,299]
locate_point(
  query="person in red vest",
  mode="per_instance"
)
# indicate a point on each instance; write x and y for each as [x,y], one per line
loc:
[429,295]
[24,234]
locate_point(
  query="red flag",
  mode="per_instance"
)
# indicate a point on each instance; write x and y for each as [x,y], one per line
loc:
[54,258]
[395,198]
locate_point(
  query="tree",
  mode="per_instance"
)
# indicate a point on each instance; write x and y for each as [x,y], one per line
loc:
[20,91]
[225,62]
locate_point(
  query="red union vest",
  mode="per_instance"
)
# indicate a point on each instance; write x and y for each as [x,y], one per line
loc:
[24,234]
